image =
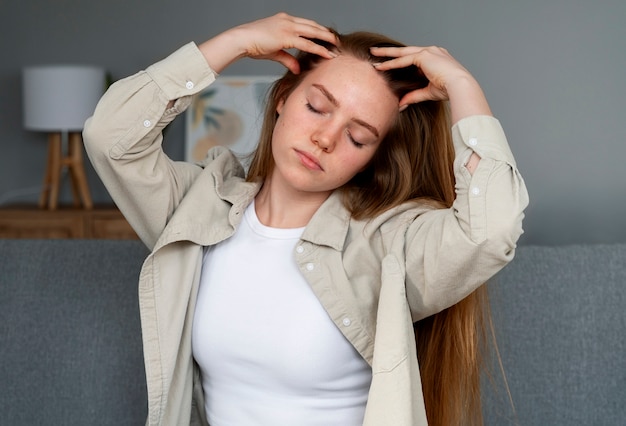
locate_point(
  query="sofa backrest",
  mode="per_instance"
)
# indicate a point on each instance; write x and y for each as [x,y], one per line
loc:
[560,314]
[70,339]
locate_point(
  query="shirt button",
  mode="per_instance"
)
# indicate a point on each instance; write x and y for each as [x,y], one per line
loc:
[475,190]
[147,123]
[310,266]
[473,141]
[300,249]
[346,322]
[189,85]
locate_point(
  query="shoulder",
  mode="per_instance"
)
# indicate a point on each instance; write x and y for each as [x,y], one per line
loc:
[222,160]
[403,215]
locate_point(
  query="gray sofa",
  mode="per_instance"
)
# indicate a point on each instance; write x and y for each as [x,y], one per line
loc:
[70,345]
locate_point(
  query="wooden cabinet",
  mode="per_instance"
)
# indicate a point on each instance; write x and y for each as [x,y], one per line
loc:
[98,223]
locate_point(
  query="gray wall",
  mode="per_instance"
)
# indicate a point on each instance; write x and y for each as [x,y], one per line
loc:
[552,69]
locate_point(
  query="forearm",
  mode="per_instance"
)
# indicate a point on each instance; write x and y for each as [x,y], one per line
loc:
[466,99]
[222,50]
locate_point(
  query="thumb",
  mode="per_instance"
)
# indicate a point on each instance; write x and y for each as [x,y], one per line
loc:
[287,60]
[416,96]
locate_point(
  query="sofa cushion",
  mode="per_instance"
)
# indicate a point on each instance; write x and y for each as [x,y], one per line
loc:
[560,315]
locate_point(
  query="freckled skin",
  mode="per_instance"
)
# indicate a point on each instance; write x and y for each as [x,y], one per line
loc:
[314,131]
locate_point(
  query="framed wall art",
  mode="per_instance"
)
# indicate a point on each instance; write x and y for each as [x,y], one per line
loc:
[229,113]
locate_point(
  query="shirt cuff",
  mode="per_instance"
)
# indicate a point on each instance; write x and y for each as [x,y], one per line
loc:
[484,135]
[183,73]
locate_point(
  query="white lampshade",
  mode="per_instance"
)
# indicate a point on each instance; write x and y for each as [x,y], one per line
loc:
[60,97]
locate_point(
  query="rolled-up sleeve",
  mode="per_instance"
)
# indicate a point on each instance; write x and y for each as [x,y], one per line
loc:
[450,252]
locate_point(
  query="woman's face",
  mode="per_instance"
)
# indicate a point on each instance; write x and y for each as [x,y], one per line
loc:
[331,125]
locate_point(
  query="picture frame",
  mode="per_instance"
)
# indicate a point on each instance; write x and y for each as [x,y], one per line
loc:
[229,112]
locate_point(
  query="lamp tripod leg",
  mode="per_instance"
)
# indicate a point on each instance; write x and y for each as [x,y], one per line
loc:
[50,192]
[77,170]
[47,178]
[56,161]
[69,162]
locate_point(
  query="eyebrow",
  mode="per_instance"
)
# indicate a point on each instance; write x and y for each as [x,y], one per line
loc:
[335,102]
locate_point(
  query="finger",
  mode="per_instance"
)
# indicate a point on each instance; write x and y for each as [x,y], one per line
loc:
[399,62]
[415,97]
[395,52]
[310,29]
[287,60]
[421,95]
[310,33]
[306,45]
[311,23]
[304,30]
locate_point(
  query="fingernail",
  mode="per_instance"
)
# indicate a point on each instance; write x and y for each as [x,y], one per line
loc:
[402,107]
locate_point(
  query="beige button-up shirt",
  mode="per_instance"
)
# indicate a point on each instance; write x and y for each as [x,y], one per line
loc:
[374,278]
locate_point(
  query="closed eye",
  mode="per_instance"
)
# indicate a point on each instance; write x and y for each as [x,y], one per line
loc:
[312,109]
[354,141]
[316,111]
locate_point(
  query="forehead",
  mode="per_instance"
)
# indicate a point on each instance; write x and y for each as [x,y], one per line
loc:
[348,71]
[356,85]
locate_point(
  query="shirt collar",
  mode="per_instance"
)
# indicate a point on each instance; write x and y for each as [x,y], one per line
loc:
[329,225]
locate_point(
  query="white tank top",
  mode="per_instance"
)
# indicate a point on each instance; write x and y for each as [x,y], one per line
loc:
[268,352]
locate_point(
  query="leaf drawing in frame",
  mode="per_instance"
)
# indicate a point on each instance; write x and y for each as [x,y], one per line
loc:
[229,113]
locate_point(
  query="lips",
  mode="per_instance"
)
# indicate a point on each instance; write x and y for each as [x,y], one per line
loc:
[309,161]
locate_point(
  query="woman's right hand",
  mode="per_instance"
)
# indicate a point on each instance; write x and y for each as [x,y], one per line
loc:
[268,38]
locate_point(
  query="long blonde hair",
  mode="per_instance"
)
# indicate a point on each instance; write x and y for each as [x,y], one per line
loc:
[413,163]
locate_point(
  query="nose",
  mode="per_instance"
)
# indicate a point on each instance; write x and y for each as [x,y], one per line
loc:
[326,138]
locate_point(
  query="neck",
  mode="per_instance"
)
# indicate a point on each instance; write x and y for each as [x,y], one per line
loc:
[281,209]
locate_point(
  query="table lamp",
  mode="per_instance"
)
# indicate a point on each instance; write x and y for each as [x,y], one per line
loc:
[58,99]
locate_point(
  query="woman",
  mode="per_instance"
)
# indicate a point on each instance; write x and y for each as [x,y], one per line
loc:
[289,296]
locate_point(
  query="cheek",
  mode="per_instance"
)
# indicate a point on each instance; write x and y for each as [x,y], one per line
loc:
[279,131]
[354,163]
[286,120]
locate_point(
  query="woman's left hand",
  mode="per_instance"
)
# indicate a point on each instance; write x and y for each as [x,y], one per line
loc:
[448,79]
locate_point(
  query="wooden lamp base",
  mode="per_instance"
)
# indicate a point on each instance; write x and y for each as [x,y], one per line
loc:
[56,162]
